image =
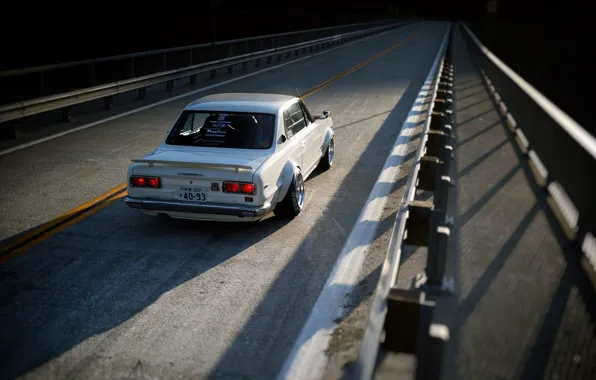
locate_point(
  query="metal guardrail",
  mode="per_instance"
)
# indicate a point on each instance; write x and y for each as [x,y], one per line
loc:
[66,100]
[44,68]
[561,153]
[46,80]
[400,319]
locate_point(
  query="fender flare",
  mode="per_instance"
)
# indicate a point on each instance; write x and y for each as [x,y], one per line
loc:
[329,133]
[285,179]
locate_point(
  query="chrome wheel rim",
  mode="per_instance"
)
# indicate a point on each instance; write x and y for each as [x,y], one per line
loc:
[331,151]
[300,190]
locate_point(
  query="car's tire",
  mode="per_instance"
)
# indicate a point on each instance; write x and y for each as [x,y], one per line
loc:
[327,159]
[293,202]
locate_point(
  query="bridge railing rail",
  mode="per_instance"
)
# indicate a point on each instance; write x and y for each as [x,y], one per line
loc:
[561,153]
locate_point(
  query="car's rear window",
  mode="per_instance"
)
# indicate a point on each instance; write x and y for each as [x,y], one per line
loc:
[223,130]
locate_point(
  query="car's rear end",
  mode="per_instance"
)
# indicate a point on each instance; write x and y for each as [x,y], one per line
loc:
[207,172]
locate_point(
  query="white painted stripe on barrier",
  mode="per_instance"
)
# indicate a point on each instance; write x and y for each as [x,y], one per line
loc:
[85,126]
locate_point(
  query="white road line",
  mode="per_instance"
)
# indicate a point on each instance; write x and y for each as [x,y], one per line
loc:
[308,359]
[48,138]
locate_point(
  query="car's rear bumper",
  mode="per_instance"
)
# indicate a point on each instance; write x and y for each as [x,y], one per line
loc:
[198,208]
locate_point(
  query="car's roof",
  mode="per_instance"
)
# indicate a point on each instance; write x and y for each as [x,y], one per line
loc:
[240,102]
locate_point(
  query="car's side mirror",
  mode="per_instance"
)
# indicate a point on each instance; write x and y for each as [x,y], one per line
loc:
[283,139]
[326,114]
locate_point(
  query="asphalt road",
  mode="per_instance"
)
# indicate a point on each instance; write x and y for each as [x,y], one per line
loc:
[125,295]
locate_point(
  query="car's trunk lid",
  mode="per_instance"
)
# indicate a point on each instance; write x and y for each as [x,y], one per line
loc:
[198,171]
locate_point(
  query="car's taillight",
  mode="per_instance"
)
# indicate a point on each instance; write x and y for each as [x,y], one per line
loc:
[138,181]
[247,188]
[235,187]
[153,182]
[231,187]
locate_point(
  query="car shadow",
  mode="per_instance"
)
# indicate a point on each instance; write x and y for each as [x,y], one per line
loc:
[85,280]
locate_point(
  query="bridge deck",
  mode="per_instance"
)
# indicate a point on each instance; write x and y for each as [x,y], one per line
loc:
[523,308]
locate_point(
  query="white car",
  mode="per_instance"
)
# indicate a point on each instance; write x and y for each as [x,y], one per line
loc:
[233,157]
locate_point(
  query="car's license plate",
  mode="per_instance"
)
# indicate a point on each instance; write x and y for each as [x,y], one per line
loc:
[192,194]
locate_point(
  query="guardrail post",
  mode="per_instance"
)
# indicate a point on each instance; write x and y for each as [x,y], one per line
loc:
[437,251]
[435,138]
[407,320]
[66,114]
[169,85]
[244,65]
[429,166]
[269,59]
[107,102]
[92,74]
[142,93]
[432,360]
[212,73]
[193,79]
[257,62]
[418,223]
[445,86]
[443,105]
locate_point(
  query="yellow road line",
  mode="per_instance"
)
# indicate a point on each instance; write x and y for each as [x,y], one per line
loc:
[358,66]
[61,227]
[46,230]
[11,244]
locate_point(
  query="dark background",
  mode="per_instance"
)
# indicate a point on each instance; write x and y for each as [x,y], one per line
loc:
[547,43]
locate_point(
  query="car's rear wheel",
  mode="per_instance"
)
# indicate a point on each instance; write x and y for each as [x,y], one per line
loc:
[327,160]
[293,202]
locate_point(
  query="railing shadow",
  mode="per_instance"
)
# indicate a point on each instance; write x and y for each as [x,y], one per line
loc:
[533,249]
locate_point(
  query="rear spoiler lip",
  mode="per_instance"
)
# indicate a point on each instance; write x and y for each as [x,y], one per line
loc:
[192,164]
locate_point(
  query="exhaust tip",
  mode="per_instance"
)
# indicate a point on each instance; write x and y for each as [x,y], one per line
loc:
[135,204]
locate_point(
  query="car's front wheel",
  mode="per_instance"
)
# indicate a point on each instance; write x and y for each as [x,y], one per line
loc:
[327,160]
[293,202]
